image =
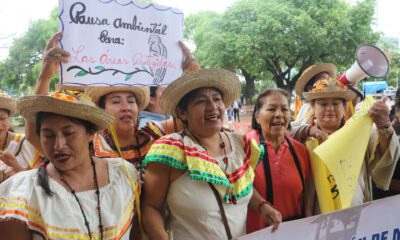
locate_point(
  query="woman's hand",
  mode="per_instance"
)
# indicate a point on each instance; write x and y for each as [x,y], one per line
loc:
[271,216]
[317,134]
[10,160]
[189,63]
[379,112]
[53,55]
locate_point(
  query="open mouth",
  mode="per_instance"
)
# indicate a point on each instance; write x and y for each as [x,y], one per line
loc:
[278,125]
[212,117]
[126,118]
[61,157]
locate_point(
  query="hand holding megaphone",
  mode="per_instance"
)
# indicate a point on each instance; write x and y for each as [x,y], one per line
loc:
[370,61]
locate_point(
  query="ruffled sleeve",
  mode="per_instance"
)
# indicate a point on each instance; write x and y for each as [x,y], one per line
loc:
[15,195]
[167,150]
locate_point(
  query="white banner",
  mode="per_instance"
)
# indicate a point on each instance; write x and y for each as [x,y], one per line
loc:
[377,220]
[120,42]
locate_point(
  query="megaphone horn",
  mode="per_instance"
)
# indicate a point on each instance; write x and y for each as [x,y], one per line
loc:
[370,61]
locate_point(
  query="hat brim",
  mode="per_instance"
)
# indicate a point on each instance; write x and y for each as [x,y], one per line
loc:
[8,104]
[142,94]
[225,81]
[29,106]
[70,87]
[311,72]
[346,95]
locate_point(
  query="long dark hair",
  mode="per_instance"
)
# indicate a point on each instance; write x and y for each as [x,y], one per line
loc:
[43,178]
[260,103]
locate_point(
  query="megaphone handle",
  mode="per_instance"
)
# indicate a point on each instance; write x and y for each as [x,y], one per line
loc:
[356,91]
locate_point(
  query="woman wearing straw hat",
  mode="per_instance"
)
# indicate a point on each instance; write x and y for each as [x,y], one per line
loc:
[16,154]
[72,194]
[305,84]
[124,137]
[204,174]
[328,99]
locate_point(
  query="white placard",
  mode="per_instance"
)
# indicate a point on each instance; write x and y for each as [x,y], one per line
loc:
[120,42]
[377,220]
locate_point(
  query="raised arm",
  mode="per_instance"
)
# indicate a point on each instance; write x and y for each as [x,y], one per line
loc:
[53,55]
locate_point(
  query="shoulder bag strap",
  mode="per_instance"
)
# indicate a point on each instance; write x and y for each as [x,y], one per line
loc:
[267,172]
[221,208]
[296,161]
[299,170]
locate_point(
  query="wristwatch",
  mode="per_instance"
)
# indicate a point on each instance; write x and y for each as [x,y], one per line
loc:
[384,130]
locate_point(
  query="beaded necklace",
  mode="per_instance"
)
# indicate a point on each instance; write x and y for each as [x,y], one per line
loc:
[221,145]
[79,203]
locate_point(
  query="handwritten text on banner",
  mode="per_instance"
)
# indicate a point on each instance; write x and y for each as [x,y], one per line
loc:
[120,42]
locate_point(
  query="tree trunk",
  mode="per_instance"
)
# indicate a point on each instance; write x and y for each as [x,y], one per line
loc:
[249,91]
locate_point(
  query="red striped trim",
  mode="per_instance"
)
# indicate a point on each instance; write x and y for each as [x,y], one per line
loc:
[189,151]
[25,216]
[195,152]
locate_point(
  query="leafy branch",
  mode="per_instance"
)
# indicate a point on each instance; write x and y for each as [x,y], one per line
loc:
[101,69]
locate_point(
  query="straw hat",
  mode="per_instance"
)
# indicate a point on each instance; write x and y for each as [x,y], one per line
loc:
[60,87]
[68,103]
[329,89]
[223,80]
[7,103]
[142,94]
[310,72]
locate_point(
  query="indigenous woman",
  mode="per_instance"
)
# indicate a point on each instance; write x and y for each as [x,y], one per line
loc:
[328,99]
[72,195]
[16,154]
[283,177]
[204,174]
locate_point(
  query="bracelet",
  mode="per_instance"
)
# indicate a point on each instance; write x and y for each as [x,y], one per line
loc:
[386,126]
[262,203]
[385,130]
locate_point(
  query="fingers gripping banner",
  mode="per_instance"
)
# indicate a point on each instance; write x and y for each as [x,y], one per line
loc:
[337,162]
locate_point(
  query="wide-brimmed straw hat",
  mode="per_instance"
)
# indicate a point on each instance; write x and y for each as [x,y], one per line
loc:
[142,94]
[7,103]
[329,88]
[60,87]
[68,103]
[310,72]
[225,81]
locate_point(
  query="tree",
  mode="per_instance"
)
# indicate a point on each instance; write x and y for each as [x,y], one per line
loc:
[21,68]
[278,39]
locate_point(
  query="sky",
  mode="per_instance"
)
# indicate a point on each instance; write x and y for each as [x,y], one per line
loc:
[15,15]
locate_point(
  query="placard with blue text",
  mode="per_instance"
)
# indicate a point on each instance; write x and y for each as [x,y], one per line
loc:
[120,42]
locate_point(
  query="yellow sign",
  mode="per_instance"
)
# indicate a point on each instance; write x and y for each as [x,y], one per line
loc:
[343,154]
[325,184]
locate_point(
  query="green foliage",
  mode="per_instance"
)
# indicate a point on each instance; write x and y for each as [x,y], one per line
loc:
[22,66]
[278,39]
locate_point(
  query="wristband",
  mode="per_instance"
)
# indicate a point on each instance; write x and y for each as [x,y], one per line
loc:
[262,203]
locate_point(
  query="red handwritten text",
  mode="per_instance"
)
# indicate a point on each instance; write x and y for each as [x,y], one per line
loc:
[106,59]
[152,61]
[77,56]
